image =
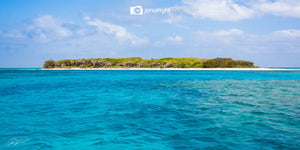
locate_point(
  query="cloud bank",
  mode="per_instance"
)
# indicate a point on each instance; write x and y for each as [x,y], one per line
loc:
[230,10]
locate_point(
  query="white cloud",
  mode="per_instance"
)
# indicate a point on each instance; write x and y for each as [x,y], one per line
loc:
[118,32]
[223,36]
[220,35]
[50,36]
[46,26]
[171,40]
[13,34]
[47,29]
[235,41]
[287,33]
[286,8]
[175,38]
[234,10]
[173,19]
[221,10]
[230,32]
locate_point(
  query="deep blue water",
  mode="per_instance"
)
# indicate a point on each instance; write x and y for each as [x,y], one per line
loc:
[149,109]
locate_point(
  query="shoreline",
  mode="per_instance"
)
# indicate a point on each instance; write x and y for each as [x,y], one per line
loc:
[199,69]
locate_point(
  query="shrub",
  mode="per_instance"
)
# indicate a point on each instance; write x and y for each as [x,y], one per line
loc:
[49,64]
[138,62]
[227,63]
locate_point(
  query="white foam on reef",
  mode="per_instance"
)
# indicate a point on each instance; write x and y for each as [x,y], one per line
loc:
[17,140]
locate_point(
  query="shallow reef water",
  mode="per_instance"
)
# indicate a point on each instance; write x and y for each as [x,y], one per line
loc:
[135,109]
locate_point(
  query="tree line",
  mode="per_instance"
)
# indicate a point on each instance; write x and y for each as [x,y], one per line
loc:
[137,62]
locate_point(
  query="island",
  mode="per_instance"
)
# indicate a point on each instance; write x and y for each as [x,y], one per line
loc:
[140,63]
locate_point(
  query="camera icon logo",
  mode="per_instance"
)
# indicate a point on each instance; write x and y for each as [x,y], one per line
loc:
[136,10]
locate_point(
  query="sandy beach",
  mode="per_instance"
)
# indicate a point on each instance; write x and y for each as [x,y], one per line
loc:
[204,69]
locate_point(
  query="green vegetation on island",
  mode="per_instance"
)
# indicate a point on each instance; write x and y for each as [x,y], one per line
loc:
[137,62]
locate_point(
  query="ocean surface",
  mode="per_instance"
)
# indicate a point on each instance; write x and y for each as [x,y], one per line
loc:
[165,110]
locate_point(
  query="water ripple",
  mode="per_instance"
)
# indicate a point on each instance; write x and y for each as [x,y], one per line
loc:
[149,110]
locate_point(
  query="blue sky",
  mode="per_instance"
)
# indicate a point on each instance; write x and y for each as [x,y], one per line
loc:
[266,32]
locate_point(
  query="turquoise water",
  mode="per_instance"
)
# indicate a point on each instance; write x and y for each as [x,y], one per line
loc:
[149,109]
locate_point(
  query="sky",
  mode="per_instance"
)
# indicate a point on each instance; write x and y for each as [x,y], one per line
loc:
[266,32]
